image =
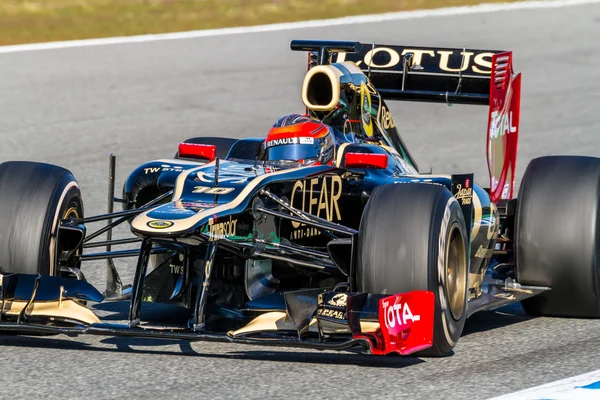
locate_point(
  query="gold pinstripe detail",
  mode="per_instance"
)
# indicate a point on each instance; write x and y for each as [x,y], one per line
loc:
[66,309]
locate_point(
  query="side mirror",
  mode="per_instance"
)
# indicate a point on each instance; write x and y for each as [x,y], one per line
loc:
[198,151]
[366,160]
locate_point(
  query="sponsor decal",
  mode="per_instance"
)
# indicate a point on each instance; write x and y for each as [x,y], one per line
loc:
[212,190]
[406,328]
[327,312]
[305,232]
[479,63]
[397,314]
[318,196]
[163,168]
[365,110]
[334,308]
[170,212]
[282,141]
[221,230]
[339,300]
[176,269]
[464,194]
[394,57]
[385,118]
[228,172]
[307,140]
[160,224]
[501,124]
[193,206]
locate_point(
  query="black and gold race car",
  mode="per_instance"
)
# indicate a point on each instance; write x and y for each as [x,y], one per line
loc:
[361,251]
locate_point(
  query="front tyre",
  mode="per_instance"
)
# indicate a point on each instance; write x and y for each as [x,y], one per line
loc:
[413,237]
[34,197]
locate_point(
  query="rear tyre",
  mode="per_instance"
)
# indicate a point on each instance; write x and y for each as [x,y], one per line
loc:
[413,237]
[558,235]
[223,144]
[34,197]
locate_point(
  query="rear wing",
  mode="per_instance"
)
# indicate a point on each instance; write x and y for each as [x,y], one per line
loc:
[442,75]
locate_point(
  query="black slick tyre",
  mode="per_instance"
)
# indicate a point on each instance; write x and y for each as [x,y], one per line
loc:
[558,235]
[223,144]
[33,199]
[413,237]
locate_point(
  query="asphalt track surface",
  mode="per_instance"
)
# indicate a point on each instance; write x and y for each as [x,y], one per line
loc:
[74,106]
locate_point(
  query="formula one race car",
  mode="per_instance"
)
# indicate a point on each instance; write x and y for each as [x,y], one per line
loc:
[324,235]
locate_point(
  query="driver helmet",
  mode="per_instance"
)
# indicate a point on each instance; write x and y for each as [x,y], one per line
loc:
[297,139]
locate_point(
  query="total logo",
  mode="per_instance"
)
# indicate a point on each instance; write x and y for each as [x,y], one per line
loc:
[501,124]
[397,314]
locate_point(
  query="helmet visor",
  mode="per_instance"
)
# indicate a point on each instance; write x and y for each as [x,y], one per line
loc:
[303,153]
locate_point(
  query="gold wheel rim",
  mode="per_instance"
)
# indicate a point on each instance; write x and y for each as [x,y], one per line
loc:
[71,213]
[456,272]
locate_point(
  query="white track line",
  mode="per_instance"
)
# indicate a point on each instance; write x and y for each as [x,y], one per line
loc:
[569,388]
[360,19]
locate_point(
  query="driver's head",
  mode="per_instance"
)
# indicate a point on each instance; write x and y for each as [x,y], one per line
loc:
[300,139]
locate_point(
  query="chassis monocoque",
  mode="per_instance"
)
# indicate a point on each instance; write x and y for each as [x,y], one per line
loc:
[365,252]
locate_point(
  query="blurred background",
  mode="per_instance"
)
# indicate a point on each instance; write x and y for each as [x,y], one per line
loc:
[30,21]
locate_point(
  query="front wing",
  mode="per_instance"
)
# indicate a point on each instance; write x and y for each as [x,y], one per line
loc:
[314,318]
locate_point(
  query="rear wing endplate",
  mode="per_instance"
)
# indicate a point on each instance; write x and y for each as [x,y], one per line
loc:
[442,75]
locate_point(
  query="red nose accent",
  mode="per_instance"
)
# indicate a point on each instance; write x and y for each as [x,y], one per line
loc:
[366,160]
[199,151]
